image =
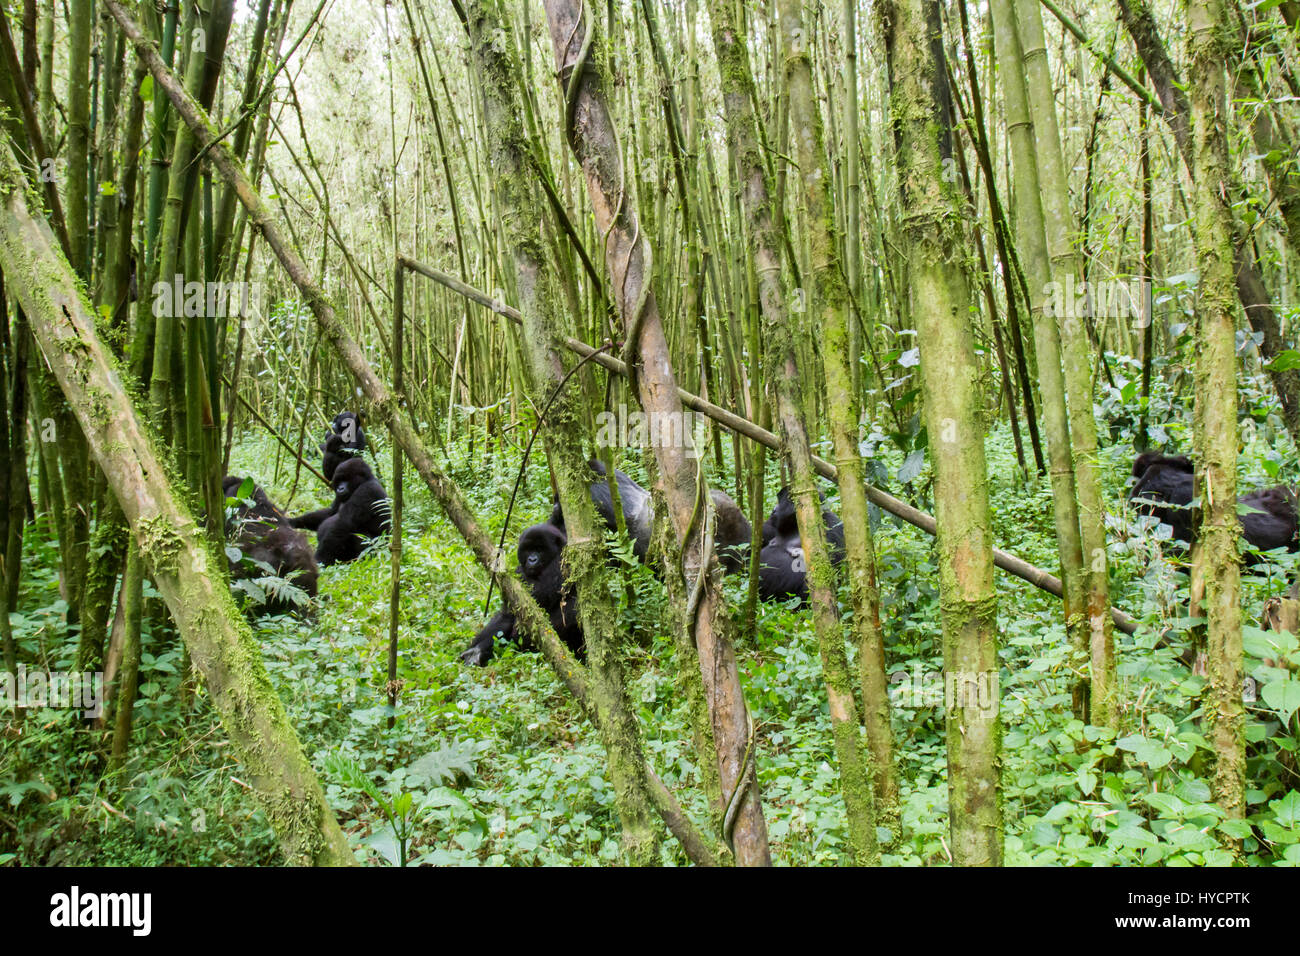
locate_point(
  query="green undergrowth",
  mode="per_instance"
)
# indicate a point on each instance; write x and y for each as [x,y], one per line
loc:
[496,766]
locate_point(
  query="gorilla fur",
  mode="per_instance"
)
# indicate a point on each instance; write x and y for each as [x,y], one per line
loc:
[541,567]
[731,530]
[261,531]
[1165,488]
[358,514]
[344,439]
[783,568]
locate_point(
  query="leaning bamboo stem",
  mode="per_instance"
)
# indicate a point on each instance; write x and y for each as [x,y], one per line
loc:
[185,570]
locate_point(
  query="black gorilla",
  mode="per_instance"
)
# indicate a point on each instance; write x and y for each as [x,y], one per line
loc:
[344,439]
[262,532]
[638,513]
[347,425]
[783,569]
[539,551]
[1165,489]
[731,530]
[358,515]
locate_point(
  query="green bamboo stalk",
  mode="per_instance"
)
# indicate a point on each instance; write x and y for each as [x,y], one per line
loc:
[831,309]
[950,384]
[1062,251]
[1215,420]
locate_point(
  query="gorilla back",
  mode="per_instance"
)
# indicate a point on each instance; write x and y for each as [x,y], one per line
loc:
[731,530]
[262,533]
[1164,489]
[638,513]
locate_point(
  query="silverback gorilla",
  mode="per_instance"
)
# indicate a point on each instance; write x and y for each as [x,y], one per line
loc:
[1164,489]
[783,570]
[358,514]
[263,535]
[540,566]
[731,529]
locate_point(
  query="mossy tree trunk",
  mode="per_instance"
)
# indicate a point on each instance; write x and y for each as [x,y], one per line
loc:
[1031,243]
[523,223]
[940,304]
[186,571]
[593,138]
[830,312]
[729,41]
[1103,705]
[1215,420]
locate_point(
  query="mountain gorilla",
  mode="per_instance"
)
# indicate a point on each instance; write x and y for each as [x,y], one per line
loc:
[539,551]
[731,529]
[343,440]
[1164,489]
[731,532]
[262,532]
[358,514]
[783,570]
[638,513]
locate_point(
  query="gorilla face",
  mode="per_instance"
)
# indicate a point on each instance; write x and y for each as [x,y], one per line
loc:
[531,564]
[540,554]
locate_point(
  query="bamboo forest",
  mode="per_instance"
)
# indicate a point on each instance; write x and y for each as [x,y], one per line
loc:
[649,433]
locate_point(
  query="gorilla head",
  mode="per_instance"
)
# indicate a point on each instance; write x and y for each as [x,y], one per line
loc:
[347,425]
[1149,458]
[344,439]
[1165,489]
[783,569]
[540,552]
